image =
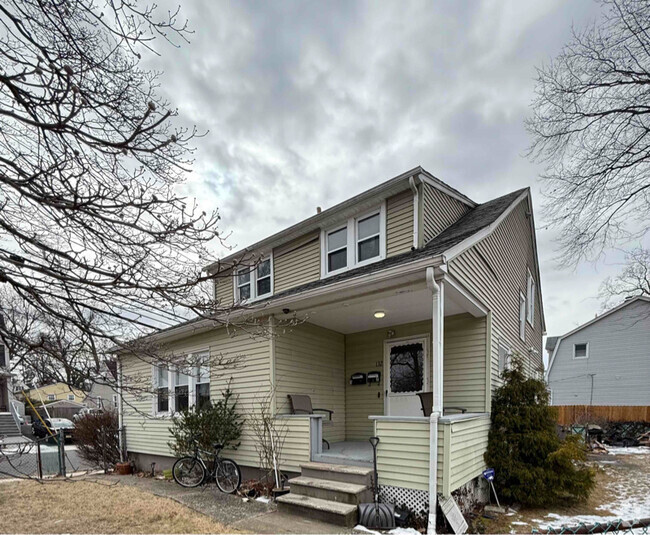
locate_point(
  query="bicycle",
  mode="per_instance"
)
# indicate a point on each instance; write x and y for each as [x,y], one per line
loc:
[191,471]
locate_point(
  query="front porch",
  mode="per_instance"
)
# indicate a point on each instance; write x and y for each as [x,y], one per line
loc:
[393,331]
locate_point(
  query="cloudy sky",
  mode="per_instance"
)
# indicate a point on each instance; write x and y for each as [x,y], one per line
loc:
[308,103]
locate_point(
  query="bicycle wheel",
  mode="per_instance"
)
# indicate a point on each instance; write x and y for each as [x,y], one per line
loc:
[188,472]
[227,476]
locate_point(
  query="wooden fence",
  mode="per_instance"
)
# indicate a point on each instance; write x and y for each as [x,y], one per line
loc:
[572,414]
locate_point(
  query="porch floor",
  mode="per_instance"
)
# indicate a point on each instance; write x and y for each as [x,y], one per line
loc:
[349,452]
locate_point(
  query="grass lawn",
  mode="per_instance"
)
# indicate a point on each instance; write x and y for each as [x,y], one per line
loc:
[87,507]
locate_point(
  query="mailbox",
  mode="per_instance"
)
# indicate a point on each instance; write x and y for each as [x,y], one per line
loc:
[358,379]
[374,377]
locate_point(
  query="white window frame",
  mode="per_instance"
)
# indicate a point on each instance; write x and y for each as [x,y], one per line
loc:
[253,280]
[51,397]
[352,242]
[586,344]
[507,363]
[531,290]
[522,316]
[196,379]
[171,383]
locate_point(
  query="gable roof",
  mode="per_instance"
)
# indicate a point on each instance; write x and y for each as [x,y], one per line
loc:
[373,195]
[628,301]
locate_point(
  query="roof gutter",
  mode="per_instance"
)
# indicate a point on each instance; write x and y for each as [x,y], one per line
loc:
[267,307]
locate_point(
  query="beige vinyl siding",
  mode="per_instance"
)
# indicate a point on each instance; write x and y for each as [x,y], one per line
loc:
[464,379]
[468,442]
[311,360]
[403,453]
[250,382]
[399,223]
[297,262]
[296,449]
[464,362]
[495,270]
[365,352]
[224,288]
[439,211]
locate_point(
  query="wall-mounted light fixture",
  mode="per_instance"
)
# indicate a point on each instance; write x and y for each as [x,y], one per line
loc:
[379,314]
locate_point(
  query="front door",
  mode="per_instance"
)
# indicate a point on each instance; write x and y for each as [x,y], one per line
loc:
[405,371]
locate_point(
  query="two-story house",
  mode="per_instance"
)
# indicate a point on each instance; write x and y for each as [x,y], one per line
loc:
[604,363]
[410,298]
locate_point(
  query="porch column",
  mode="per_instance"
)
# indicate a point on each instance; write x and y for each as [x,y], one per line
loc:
[438,314]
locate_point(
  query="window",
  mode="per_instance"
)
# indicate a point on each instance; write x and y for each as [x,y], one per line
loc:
[243,285]
[530,298]
[51,397]
[70,397]
[581,351]
[115,401]
[361,240]
[255,283]
[263,276]
[504,356]
[181,392]
[337,250]
[162,389]
[202,388]
[407,368]
[368,237]
[522,316]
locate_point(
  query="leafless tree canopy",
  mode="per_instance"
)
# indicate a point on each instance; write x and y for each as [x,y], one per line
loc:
[632,281]
[96,245]
[591,126]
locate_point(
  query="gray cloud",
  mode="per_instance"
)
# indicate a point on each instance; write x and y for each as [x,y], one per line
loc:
[308,103]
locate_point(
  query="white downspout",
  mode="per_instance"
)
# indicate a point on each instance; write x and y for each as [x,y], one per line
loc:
[120,415]
[437,292]
[416,213]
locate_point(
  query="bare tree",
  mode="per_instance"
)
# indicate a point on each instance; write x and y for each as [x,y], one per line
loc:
[591,126]
[632,281]
[96,244]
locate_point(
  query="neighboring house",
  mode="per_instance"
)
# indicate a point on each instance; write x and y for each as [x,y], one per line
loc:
[606,361]
[9,413]
[410,279]
[56,392]
[101,394]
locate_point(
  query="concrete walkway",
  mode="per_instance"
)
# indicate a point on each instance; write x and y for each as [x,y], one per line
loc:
[232,511]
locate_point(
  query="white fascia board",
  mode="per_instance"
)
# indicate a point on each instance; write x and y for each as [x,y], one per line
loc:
[591,322]
[425,177]
[475,238]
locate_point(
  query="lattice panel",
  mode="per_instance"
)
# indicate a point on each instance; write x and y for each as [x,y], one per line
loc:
[415,500]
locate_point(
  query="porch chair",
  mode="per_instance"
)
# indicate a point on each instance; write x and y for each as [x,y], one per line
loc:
[426,400]
[301,404]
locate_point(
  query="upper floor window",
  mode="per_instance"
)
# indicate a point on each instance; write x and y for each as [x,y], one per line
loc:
[522,316]
[361,240]
[51,397]
[530,311]
[580,351]
[254,283]
[70,397]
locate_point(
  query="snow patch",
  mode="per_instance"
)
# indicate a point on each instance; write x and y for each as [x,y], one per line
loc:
[639,450]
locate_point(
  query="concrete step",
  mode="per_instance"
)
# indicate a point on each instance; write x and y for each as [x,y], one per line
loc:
[357,475]
[342,514]
[334,491]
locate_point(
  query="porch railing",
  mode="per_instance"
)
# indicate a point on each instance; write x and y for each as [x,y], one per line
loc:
[403,451]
